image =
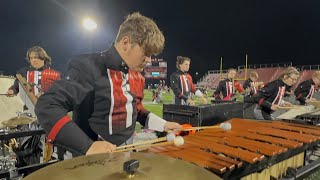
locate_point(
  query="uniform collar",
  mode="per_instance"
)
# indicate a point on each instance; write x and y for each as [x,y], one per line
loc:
[112,60]
[31,68]
[181,72]
[280,81]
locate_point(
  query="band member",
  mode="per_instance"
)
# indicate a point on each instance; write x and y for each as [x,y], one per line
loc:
[182,85]
[104,91]
[40,77]
[270,97]
[38,74]
[249,85]
[226,88]
[305,90]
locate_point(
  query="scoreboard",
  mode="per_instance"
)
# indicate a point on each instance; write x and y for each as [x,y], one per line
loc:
[157,69]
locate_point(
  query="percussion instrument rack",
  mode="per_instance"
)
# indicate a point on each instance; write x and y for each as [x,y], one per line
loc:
[25,170]
[7,134]
[304,171]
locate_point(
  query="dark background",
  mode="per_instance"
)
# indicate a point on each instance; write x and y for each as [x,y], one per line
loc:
[270,31]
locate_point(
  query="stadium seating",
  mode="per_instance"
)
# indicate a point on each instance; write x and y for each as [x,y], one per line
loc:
[266,74]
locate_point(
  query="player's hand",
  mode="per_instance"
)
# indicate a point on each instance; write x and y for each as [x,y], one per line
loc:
[39,94]
[287,104]
[308,101]
[204,100]
[274,107]
[10,93]
[172,126]
[191,102]
[101,147]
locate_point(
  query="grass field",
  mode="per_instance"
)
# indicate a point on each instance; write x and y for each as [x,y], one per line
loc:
[157,108]
[167,99]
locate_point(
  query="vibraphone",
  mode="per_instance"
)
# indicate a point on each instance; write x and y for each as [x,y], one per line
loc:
[250,150]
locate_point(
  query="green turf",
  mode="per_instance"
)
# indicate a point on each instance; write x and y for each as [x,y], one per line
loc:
[157,107]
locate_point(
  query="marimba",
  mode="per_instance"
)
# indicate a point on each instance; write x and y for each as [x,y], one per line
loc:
[310,118]
[250,150]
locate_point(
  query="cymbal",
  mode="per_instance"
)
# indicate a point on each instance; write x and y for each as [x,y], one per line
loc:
[19,120]
[110,166]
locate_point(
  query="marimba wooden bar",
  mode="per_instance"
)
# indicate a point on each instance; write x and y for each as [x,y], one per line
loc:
[250,150]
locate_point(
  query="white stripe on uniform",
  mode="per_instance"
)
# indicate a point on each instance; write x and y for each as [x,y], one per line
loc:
[112,102]
[125,90]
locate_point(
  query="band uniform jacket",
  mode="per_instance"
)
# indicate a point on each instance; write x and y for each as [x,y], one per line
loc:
[250,84]
[304,91]
[105,98]
[270,94]
[225,87]
[182,87]
[39,79]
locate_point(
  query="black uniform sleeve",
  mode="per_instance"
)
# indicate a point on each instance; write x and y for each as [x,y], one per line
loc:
[218,90]
[174,82]
[246,84]
[299,91]
[61,98]
[142,112]
[15,86]
[263,94]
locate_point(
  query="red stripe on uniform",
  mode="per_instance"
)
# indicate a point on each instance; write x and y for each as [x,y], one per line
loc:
[119,114]
[57,127]
[260,101]
[184,87]
[190,83]
[30,78]
[299,95]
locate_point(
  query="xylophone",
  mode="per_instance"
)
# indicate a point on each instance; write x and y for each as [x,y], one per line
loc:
[250,150]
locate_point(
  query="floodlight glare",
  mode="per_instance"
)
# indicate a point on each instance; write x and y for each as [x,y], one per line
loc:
[89,24]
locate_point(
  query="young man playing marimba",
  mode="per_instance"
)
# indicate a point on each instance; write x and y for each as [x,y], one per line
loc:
[104,91]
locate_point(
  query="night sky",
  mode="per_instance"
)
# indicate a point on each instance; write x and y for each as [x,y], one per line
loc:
[271,31]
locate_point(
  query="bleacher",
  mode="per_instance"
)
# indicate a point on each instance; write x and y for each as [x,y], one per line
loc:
[267,73]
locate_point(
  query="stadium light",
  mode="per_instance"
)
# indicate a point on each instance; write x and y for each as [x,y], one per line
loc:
[89,24]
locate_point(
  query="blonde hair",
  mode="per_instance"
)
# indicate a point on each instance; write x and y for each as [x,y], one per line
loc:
[288,71]
[181,60]
[142,31]
[254,74]
[316,74]
[232,69]
[40,53]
